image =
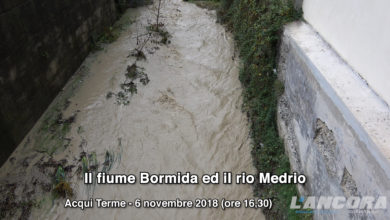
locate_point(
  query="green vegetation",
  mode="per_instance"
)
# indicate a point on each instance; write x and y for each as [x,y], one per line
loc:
[257,26]
[122,5]
[93,163]
[208,4]
[129,86]
[84,163]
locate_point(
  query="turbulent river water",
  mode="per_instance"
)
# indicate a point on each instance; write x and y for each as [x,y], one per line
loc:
[188,118]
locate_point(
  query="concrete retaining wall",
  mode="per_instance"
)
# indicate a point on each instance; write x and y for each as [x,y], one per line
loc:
[359,31]
[42,43]
[335,128]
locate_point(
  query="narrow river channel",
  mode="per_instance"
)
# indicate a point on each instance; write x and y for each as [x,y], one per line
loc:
[188,118]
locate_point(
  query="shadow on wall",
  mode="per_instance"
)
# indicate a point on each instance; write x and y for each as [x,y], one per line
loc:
[122,5]
[42,43]
[7,144]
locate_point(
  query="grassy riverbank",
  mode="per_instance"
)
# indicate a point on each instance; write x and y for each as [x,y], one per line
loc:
[257,27]
[208,4]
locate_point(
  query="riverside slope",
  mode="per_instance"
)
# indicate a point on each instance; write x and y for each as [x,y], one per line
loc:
[188,119]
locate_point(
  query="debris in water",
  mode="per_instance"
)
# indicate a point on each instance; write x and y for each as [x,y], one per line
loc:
[122,98]
[53,133]
[12,159]
[82,145]
[62,187]
[129,86]
[132,72]
[161,32]
[145,80]
[93,163]
[69,120]
[63,190]
[80,130]
[66,104]
[108,161]
[60,175]
[139,54]
[9,204]
[69,168]
[109,95]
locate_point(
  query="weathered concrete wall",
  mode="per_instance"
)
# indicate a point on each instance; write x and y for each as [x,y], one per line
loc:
[42,42]
[359,31]
[335,128]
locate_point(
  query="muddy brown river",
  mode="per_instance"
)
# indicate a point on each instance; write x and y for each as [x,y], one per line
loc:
[188,118]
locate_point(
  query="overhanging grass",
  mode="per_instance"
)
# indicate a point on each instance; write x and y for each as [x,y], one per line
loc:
[257,27]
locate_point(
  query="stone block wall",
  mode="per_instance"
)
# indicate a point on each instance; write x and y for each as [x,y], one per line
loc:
[334,126]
